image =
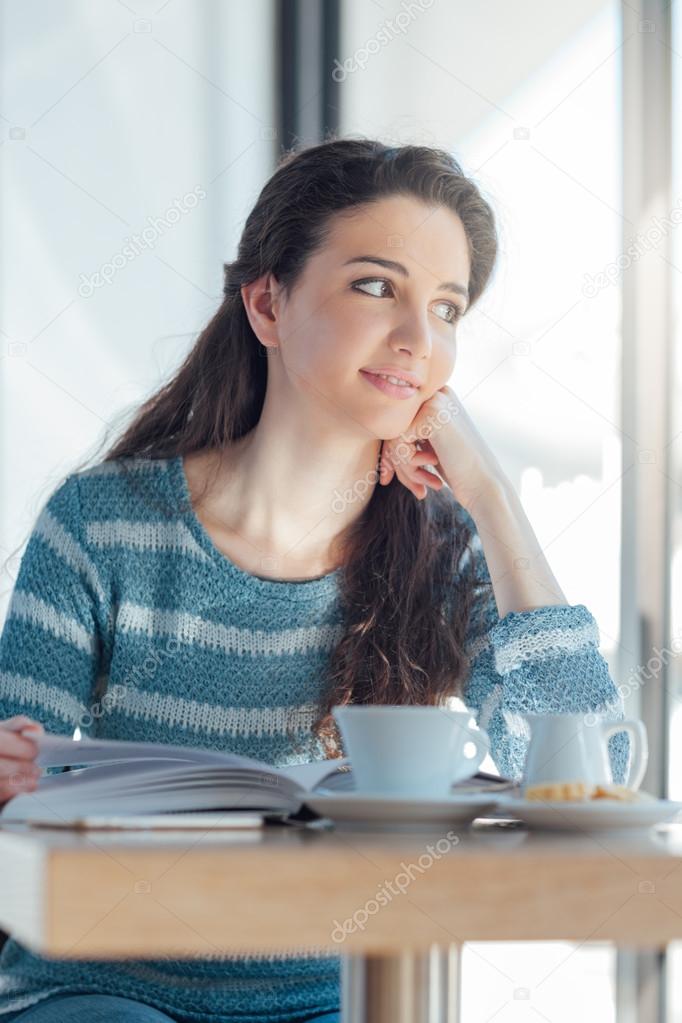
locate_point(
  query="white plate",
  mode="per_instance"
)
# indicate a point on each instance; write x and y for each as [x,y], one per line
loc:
[376,812]
[592,815]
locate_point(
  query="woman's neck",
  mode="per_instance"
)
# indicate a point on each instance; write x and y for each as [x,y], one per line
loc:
[285,513]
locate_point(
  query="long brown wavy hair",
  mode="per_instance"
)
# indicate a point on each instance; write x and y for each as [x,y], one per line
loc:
[405,618]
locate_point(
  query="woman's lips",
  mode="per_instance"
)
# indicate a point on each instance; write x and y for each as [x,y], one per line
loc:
[393,390]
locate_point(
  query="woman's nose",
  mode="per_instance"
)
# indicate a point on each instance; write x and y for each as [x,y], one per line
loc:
[414,337]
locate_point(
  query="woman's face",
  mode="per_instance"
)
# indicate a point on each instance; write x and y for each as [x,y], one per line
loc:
[348,314]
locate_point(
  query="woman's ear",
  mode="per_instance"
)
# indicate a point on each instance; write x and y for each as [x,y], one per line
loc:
[261,302]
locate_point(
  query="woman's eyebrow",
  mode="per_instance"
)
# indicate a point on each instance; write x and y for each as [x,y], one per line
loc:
[390,264]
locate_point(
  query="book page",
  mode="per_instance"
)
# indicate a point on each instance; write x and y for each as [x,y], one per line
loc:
[308,776]
[63,751]
[116,777]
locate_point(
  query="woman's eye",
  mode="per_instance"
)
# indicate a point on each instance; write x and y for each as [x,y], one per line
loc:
[373,280]
[453,312]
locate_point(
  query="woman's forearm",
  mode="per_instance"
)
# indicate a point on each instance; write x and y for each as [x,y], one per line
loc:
[521,577]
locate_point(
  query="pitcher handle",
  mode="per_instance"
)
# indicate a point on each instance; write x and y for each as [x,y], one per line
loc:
[639,755]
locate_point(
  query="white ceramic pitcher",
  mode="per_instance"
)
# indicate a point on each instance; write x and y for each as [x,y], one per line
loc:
[565,747]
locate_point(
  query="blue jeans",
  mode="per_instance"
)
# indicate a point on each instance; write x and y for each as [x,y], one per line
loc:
[104,1009]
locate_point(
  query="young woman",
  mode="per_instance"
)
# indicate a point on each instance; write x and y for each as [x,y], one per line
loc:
[265,542]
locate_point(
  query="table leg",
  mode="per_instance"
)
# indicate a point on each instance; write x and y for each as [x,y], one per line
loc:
[641,985]
[407,987]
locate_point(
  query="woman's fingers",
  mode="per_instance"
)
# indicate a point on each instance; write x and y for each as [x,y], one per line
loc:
[8,789]
[16,746]
[407,463]
[422,458]
[397,456]
[10,768]
[413,468]
[18,722]
[418,487]
[417,481]
[17,776]
[18,772]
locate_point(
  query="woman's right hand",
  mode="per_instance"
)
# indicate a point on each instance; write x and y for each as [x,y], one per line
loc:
[18,773]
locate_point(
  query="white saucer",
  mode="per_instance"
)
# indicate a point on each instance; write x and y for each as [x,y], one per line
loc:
[378,811]
[591,815]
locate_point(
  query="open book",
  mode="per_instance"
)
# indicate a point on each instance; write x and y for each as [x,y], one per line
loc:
[119,779]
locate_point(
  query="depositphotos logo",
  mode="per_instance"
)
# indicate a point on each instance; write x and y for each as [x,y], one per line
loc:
[137,243]
[360,58]
[384,894]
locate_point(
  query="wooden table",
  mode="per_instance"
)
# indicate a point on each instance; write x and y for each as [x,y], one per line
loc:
[107,894]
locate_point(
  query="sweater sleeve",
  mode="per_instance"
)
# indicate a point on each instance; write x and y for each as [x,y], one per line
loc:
[56,624]
[544,660]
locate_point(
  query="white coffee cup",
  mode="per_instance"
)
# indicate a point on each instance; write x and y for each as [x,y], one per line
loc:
[410,751]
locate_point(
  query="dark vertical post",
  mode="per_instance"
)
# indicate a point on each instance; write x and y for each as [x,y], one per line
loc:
[307,44]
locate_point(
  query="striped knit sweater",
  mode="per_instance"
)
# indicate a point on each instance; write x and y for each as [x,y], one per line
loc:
[121,589]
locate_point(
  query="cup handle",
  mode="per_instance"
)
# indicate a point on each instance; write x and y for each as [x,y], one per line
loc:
[639,756]
[481,741]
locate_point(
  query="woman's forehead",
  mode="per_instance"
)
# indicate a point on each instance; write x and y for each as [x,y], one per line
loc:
[403,230]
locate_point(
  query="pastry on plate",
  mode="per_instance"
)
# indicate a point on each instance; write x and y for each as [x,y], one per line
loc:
[580,791]
[559,790]
[613,791]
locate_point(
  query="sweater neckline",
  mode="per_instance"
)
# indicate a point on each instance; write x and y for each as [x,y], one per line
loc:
[317,588]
